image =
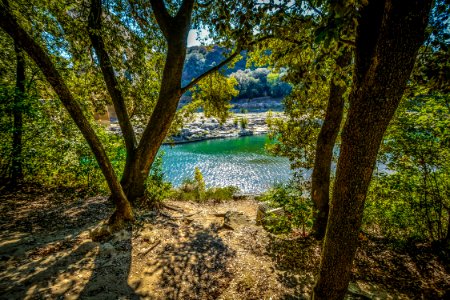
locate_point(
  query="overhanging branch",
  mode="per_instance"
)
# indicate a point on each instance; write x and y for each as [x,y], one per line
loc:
[223,63]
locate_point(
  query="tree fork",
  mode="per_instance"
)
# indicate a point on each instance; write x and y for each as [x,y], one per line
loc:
[320,191]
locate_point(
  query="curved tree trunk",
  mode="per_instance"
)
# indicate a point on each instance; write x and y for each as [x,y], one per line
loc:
[389,35]
[320,179]
[16,166]
[159,124]
[175,30]
[95,26]
[10,25]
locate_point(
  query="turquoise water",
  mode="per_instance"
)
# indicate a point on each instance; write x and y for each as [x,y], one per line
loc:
[241,162]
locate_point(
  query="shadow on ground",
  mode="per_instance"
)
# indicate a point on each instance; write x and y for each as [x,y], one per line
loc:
[46,252]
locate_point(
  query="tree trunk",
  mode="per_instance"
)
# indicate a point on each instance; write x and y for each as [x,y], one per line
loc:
[16,166]
[95,26]
[10,25]
[320,191]
[175,30]
[388,37]
[447,236]
[155,132]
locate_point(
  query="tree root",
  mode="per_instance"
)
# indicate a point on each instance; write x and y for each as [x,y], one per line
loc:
[106,229]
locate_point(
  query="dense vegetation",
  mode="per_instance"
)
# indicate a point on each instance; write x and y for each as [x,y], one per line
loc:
[252,82]
[366,84]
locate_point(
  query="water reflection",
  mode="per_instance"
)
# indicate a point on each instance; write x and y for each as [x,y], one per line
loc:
[241,162]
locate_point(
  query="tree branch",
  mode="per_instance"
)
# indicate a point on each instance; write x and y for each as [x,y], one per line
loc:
[185,10]
[212,70]
[94,24]
[223,63]
[162,16]
[348,42]
[10,25]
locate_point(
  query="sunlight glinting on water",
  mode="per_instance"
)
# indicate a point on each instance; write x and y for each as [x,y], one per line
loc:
[240,162]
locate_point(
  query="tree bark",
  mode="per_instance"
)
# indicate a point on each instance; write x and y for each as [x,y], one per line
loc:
[16,165]
[320,179]
[389,35]
[175,30]
[95,26]
[10,25]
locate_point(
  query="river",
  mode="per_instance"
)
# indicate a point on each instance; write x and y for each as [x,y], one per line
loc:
[241,162]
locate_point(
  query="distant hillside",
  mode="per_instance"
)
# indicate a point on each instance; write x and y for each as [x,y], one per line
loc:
[252,82]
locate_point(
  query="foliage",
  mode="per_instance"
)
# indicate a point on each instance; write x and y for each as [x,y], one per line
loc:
[260,82]
[244,122]
[252,82]
[297,208]
[64,159]
[194,189]
[156,188]
[214,94]
[412,199]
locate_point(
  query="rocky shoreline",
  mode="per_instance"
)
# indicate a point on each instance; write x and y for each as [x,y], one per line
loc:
[240,124]
[203,128]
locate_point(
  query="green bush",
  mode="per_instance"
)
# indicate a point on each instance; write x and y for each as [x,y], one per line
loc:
[156,188]
[244,122]
[195,190]
[412,200]
[297,209]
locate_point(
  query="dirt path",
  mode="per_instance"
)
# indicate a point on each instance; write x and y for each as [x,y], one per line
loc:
[180,253]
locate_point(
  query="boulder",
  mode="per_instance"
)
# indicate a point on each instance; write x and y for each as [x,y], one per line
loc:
[264,209]
[235,219]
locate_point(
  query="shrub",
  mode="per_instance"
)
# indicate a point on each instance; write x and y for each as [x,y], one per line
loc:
[244,123]
[195,190]
[297,209]
[157,189]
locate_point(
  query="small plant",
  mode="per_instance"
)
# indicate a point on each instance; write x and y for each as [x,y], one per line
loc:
[236,122]
[200,184]
[297,209]
[195,190]
[244,122]
[156,188]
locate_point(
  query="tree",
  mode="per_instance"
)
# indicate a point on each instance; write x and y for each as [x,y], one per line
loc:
[321,76]
[320,178]
[10,25]
[388,37]
[16,165]
[174,29]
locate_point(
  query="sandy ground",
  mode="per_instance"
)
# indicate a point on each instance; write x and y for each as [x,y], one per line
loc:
[186,253]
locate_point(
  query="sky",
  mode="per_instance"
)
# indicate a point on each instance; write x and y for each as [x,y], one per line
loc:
[195,36]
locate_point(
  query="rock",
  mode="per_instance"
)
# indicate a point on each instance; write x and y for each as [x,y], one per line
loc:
[264,209]
[100,232]
[245,132]
[123,235]
[235,219]
[107,249]
[242,196]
